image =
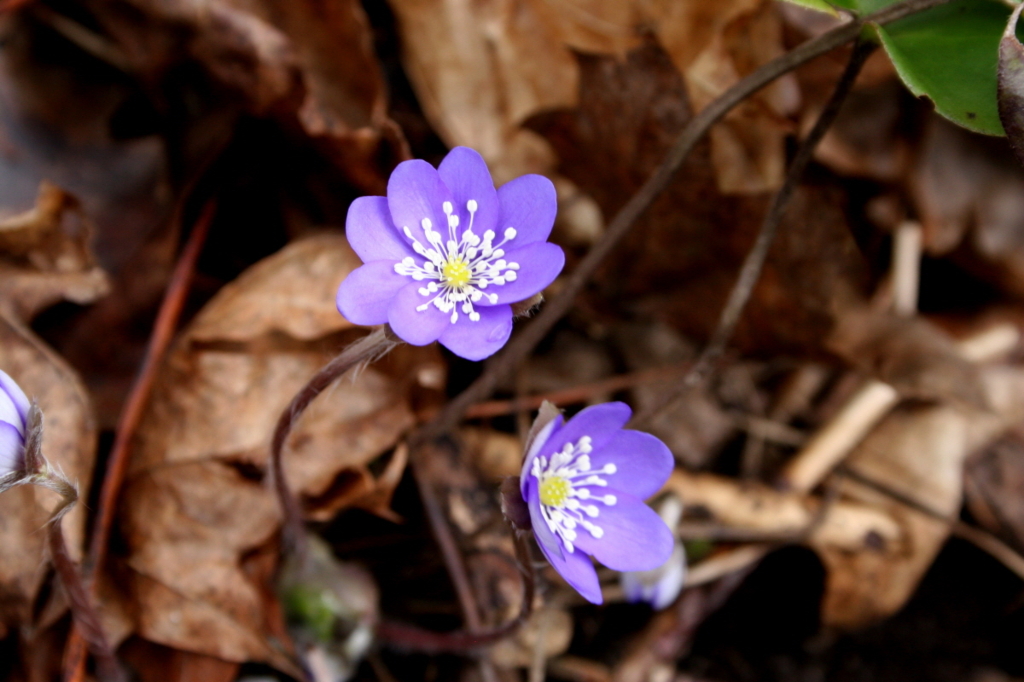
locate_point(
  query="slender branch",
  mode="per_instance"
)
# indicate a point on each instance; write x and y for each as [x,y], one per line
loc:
[412,638]
[117,463]
[367,349]
[163,332]
[750,272]
[555,309]
[82,608]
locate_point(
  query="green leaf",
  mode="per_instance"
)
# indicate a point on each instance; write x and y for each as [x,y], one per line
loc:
[820,5]
[949,55]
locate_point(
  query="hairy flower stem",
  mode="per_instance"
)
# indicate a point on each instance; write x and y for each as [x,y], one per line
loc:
[371,347]
[753,264]
[412,638]
[554,310]
[38,472]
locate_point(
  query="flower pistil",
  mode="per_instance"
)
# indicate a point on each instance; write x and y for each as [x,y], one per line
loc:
[564,484]
[458,269]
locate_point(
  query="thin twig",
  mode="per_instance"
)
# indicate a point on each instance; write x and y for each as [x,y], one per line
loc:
[163,333]
[82,608]
[445,539]
[981,539]
[367,349]
[750,272]
[413,638]
[576,394]
[117,463]
[555,309]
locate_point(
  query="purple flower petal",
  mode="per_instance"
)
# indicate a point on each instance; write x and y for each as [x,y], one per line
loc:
[11,407]
[418,327]
[371,233]
[12,449]
[415,192]
[539,265]
[577,570]
[480,339]
[600,422]
[643,462]
[465,173]
[635,538]
[17,397]
[528,204]
[365,294]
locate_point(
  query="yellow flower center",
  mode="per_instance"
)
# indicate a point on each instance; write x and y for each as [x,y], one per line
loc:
[554,491]
[456,272]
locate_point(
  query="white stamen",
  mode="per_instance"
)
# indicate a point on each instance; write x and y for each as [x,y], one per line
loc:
[448,259]
[572,465]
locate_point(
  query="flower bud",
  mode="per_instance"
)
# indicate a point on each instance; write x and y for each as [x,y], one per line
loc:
[14,409]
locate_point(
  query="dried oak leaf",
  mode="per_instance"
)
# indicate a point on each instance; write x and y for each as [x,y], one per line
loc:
[195,503]
[69,442]
[680,259]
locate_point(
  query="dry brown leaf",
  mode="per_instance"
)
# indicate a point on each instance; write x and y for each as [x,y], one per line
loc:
[155,663]
[919,451]
[548,630]
[680,259]
[967,185]
[481,69]
[45,256]
[195,502]
[747,146]
[751,506]
[909,353]
[69,442]
[311,64]
[994,486]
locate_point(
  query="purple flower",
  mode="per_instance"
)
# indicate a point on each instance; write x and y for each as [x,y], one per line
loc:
[14,407]
[445,253]
[584,483]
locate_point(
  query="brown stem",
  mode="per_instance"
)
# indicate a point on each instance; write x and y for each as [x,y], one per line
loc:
[84,613]
[412,638]
[117,463]
[369,348]
[750,272]
[163,333]
[526,340]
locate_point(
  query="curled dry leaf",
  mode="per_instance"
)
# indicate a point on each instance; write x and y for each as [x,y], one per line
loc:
[756,508]
[632,110]
[195,502]
[994,487]
[311,64]
[968,191]
[548,633]
[918,451]
[45,256]
[481,69]
[914,356]
[69,442]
